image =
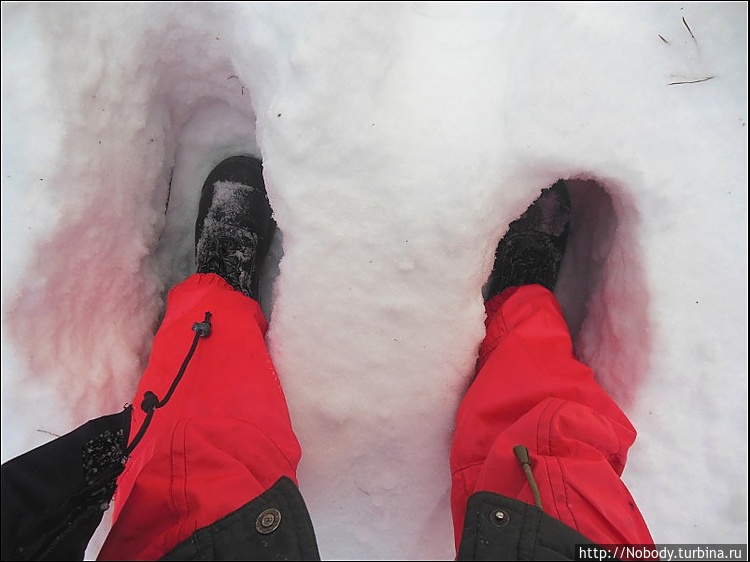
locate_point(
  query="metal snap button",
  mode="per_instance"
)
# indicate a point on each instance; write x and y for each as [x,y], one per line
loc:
[268,521]
[499,517]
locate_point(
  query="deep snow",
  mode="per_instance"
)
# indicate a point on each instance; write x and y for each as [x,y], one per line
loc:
[399,140]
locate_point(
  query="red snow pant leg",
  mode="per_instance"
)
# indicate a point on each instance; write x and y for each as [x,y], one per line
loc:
[530,390]
[225,435]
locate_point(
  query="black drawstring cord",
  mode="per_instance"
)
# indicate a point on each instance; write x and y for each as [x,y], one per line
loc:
[522,454]
[151,401]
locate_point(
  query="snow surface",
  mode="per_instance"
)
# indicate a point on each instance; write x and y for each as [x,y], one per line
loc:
[399,140]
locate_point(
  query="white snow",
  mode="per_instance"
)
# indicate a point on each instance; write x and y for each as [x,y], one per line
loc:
[399,140]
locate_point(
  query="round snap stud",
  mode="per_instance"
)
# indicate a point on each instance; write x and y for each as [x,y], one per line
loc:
[268,521]
[499,517]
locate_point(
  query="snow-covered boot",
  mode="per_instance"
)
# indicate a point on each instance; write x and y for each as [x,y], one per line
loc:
[235,224]
[531,251]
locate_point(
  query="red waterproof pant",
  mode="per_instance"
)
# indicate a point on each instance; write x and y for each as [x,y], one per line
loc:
[225,435]
[530,390]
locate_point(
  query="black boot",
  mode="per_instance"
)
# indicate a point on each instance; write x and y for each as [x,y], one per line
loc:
[235,224]
[531,251]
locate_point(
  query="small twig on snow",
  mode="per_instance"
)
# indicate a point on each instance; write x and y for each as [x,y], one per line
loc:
[692,81]
[689,30]
[48,432]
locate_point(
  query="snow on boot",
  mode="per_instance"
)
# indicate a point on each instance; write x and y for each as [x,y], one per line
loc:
[531,251]
[235,224]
